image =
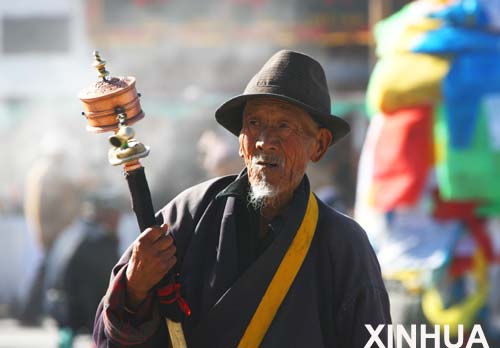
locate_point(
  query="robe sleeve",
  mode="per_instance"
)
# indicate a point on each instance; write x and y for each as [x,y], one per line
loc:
[120,326]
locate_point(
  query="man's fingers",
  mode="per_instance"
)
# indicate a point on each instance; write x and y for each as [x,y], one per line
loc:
[168,263]
[154,233]
[164,228]
[166,253]
[164,242]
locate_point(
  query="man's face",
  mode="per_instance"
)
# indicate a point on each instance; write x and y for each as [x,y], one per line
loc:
[277,140]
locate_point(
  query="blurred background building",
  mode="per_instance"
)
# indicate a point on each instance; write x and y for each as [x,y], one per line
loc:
[188,58]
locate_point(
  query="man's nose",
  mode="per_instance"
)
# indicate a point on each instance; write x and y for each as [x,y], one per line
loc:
[267,139]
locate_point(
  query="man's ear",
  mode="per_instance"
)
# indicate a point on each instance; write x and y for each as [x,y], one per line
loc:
[323,140]
[240,150]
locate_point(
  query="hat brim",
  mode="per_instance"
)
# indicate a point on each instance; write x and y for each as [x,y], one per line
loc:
[230,115]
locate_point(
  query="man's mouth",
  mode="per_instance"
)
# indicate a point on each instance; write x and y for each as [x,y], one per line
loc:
[267,162]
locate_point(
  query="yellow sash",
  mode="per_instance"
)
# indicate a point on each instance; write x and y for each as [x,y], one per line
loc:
[282,279]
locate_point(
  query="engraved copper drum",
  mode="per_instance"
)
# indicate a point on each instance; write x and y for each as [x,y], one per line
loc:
[101,100]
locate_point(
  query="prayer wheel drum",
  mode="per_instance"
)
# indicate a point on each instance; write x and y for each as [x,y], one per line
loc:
[105,99]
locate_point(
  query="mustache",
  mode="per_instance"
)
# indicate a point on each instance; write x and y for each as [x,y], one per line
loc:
[271,159]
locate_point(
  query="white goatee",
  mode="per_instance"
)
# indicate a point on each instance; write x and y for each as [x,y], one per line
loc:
[261,195]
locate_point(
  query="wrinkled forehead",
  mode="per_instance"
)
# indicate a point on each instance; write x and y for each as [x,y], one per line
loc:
[277,107]
[272,104]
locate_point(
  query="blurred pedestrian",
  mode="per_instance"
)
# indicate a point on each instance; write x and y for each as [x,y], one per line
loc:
[51,203]
[78,266]
[219,155]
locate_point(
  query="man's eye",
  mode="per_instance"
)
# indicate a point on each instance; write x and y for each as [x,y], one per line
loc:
[284,125]
[253,122]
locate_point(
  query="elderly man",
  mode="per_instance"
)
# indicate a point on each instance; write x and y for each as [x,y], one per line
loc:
[262,262]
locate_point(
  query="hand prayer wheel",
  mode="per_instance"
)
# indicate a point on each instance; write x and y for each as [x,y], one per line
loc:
[112,104]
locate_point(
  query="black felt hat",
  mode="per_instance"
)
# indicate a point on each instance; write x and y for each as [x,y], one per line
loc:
[292,77]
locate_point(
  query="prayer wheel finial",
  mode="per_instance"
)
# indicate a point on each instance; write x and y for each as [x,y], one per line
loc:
[100,65]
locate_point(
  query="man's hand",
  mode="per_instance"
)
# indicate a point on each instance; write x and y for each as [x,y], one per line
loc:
[153,255]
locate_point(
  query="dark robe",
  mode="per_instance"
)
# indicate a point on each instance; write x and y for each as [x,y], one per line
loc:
[337,290]
[77,272]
